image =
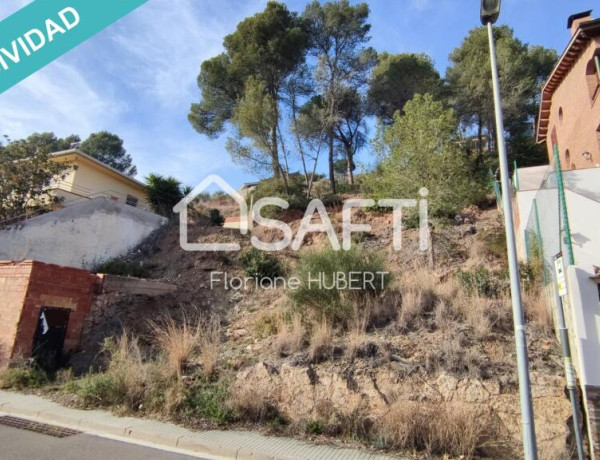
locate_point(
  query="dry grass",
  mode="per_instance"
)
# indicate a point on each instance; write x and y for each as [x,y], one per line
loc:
[210,344]
[482,314]
[456,356]
[418,296]
[177,342]
[320,340]
[290,336]
[537,311]
[455,429]
[253,404]
[357,330]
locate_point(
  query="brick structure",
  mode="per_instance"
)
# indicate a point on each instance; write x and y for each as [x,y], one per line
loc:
[26,287]
[569,115]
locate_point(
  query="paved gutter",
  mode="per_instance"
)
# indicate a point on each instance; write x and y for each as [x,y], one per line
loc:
[239,445]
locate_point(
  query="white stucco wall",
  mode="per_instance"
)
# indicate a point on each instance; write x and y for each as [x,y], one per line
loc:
[584,220]
[582,311]
[81,235]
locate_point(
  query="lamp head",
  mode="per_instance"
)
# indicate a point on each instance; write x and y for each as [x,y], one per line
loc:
[490,10]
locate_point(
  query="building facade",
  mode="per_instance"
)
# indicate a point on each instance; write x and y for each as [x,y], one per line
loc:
[569,118]
[89,178]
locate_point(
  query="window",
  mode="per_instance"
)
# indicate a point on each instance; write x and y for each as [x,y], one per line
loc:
[131,201]
[560,115]
[592,75]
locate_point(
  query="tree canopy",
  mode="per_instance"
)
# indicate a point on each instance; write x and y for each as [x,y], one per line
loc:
[243,86]
[163,193]
[397,78]
[421,150]
[108,148]
[291,88]
[26,174]
[522,70]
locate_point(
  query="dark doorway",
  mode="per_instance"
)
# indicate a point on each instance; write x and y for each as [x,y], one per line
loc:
[50,337]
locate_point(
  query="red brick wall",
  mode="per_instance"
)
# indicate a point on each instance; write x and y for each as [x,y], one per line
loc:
[44,286]
[577,129]
[14,281]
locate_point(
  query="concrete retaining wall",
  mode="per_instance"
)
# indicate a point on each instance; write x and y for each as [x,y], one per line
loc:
[582,311]
[82,235]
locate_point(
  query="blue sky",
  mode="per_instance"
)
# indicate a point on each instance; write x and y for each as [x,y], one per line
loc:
[138,77]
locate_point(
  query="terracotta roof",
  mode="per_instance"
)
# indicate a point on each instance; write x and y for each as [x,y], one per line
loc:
[574,48]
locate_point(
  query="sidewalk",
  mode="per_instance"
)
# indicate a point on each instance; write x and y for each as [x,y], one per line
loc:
[239,445]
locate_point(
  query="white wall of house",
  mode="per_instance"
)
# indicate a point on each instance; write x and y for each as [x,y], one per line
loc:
[582,311]
[584,220]
[81,236]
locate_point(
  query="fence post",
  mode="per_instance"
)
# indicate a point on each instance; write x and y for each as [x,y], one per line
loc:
[563,207]
[538,235]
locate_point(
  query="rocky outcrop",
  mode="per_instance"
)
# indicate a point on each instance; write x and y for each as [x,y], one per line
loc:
[305,392]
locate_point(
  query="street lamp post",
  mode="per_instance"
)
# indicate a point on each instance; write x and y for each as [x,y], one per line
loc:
[490,10]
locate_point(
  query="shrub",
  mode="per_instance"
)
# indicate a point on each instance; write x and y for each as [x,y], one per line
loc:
[122,268]
[266,325]
[216,219]
[493,242]
[124,382]
[24,376]
[295,194]
[334,302]
[163,193]
[454,429]
[481,281]
[209,401]
[260,264]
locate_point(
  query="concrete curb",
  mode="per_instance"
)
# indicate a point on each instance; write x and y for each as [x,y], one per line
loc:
[213,444]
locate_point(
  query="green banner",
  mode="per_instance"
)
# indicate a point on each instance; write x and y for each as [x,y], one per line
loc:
[46,29]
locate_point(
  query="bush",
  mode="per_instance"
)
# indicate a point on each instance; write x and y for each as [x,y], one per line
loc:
[260,264]
[208,401]
[335,302]
[494,242]
[295,194]
[216,219]
[25,376]
[125,381]
[481,281]
[122,268]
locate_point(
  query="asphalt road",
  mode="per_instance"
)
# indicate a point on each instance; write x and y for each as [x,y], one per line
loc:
[18,444]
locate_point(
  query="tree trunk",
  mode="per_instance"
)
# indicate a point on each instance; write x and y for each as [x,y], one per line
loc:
[349,165]
[331,169]
[480,136]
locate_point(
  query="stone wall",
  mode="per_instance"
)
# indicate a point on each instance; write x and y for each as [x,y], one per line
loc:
[592,403]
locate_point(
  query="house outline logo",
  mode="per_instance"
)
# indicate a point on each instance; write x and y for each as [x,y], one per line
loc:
[181,208]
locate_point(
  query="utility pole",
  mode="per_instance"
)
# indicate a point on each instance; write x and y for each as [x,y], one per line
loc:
[490,11]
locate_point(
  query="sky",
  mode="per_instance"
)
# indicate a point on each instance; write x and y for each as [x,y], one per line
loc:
[137,78]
